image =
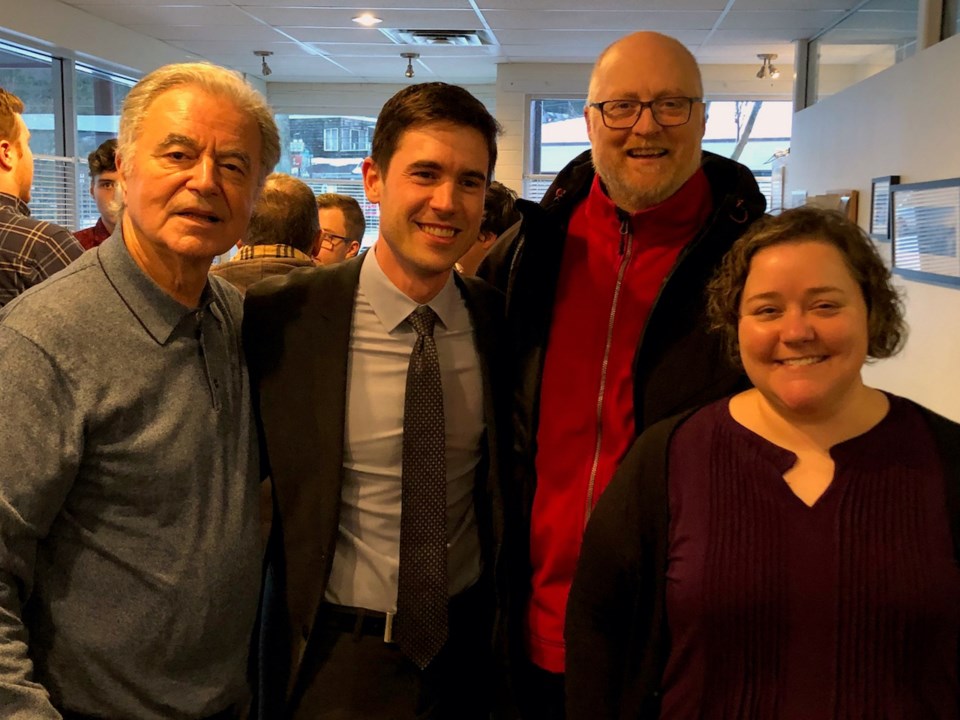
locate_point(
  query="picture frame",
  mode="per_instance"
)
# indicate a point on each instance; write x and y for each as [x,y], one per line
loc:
[925,231]
[880,206]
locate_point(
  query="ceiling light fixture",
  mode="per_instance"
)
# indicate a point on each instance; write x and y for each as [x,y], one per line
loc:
[263,55]
[410,57]
[367,20]
[767,68]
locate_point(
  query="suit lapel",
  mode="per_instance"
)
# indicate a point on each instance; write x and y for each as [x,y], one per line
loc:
[485,336]
[306,397]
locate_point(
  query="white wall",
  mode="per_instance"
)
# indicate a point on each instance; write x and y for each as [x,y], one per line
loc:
[517,83]
[346,98]
[901,121]
[73,33]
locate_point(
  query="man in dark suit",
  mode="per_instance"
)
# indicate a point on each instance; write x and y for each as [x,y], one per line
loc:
[376,382]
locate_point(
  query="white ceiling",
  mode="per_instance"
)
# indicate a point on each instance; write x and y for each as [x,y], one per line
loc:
[316,40]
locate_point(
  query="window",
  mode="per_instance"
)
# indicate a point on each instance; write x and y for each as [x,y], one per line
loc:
[879,34]
[753,133]
[558,133]
[34,78]
[354,139]
[60,144]
[99,96]
[327,152]
[331,139]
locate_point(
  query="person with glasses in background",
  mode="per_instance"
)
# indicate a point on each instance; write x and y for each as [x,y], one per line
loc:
[605,304]
[341,228]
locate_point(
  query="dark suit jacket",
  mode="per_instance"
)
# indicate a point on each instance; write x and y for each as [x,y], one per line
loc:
[296,331]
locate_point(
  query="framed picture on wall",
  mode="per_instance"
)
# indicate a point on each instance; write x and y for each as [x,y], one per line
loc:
[926,231]
[880,206]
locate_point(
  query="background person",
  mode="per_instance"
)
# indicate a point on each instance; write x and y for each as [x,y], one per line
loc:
[785,552]
[501,219]
[604,288]
[342,226]
[30,250]
[105,190]
[283,234]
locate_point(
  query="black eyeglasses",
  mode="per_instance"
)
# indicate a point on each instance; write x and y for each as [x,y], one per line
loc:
[667,111]
[328,240]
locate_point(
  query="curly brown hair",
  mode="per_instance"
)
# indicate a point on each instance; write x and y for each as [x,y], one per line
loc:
[886,329]
[103,159]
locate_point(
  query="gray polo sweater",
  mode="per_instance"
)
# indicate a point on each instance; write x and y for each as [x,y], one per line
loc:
[129,562]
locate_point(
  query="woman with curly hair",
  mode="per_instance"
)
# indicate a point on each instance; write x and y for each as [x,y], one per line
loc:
[790,552]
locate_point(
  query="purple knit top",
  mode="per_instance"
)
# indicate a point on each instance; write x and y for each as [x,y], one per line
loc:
[846,609]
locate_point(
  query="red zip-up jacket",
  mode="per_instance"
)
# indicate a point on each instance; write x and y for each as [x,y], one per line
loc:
[612,269]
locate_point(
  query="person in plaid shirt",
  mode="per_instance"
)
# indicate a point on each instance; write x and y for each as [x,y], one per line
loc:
[30,250]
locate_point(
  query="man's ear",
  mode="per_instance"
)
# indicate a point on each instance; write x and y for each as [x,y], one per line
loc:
[354,249]
[372,179]
[316,245]
[8,155]
[93,184]
[487,238]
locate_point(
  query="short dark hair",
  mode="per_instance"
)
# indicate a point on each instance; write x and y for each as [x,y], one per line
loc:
[285,214]
[499,209]
[103,159]
[886,329]
[426,104]
[10,107]
[352,214]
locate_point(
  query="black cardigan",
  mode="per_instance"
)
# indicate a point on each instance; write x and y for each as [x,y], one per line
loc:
[617,636]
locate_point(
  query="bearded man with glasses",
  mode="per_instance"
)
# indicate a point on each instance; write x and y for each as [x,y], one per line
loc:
[604,289]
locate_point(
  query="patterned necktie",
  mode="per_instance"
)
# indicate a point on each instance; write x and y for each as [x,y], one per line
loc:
[422,592]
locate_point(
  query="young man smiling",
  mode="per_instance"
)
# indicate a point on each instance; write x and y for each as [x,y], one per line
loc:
[335,354]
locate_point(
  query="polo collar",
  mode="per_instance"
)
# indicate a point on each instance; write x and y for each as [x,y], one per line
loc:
[158,313]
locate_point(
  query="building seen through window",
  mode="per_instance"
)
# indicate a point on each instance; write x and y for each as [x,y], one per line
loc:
[327,152]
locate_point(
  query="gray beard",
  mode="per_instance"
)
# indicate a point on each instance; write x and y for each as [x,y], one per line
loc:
[631,199]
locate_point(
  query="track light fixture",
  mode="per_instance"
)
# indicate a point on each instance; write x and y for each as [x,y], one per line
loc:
[767,68]
[410,57]
[263,55]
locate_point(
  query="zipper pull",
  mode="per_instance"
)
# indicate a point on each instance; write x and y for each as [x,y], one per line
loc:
[624,233]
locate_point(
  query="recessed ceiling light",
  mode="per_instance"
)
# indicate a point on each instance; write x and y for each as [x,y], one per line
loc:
[367,20]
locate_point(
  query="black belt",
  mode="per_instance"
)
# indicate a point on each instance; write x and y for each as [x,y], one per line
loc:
[360,621]
[231,713]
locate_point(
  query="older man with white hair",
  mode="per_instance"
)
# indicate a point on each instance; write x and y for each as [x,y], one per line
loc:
[129,553]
